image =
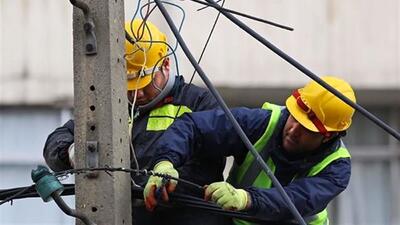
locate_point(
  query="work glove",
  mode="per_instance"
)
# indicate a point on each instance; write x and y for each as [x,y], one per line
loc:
[157,187]
[227,197]
[71,155]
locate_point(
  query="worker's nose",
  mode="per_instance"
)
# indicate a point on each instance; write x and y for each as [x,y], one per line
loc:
[140,93]
[296,128]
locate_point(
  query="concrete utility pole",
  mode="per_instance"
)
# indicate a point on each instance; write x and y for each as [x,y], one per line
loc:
[101,114]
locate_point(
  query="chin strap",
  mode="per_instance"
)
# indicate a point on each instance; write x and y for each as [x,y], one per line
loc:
[165,91]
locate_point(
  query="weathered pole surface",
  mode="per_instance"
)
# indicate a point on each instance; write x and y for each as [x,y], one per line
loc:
[101,114]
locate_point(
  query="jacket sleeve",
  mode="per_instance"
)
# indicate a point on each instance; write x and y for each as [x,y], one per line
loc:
[55,150]
[210,134]
[310,195]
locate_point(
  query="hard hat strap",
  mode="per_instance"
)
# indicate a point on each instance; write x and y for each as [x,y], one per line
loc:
[142,73]
[311,115]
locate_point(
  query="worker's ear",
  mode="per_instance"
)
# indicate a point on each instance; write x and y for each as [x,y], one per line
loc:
[332,136]
[166,63]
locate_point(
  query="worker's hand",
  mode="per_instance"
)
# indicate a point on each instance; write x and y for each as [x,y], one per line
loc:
[226,196]
[71,155]
[157,186]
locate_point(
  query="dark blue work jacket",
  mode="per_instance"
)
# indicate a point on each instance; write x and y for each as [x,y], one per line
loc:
[209,134]
[147,127]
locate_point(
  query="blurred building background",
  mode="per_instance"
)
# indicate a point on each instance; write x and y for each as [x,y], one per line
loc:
[357,40]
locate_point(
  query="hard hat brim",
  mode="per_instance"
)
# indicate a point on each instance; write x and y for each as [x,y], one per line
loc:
[299,114]
[135,84]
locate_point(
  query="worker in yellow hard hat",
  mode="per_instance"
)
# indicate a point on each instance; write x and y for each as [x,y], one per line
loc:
[301,143]
[147,63]
[157,95]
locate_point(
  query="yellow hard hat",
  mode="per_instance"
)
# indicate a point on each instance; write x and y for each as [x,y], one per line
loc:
[143,58]
[318,110]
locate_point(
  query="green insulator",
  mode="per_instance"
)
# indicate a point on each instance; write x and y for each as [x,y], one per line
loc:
[46,183]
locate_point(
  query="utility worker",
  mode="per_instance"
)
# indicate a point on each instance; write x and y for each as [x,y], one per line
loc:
[301,143]
[157,98]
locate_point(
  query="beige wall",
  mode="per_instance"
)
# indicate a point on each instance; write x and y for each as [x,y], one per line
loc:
[36,51]
[359,40]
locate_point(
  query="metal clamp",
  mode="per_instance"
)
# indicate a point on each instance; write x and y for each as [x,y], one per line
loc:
[92,157]
[88,27]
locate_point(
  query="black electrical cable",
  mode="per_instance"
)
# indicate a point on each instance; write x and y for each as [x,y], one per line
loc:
[71,212]
[15,193]
[18,193]
[175,200]
[246,16]
[69,189]
[236,126]
[204,7]
[198,203]
[306,71]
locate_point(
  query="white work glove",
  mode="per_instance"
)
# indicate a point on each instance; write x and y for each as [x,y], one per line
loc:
[71,155]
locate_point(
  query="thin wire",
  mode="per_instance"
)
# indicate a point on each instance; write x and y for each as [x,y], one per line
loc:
[177,6]
[137,10]
[244,15]
[131,147]
[143,25]
[173,50]
[208,40]
[204,7]
[203,51]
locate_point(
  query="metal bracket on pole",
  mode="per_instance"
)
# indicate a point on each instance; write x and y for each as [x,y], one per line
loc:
[92,157]
[88,27]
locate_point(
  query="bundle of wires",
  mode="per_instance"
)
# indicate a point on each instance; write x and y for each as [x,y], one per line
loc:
[175,199]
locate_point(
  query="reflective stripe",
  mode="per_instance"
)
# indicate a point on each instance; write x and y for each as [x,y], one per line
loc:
[259,145]
[320,218]
[161,118]
[263,181]
[241,222]
[340,153]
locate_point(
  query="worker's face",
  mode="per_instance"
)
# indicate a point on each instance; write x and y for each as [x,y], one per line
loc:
[148,93]
[298,139]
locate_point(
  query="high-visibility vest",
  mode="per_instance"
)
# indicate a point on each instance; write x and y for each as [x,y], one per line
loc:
[240,174]
[161,118]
